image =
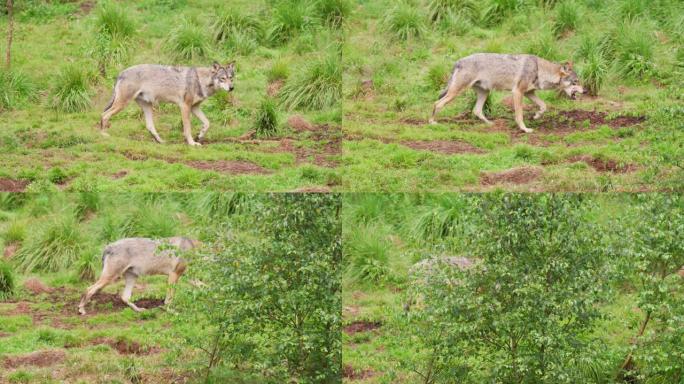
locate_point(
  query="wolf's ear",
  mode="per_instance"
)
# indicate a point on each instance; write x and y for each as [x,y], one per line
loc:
[231,65]
[215,67]
[567,67]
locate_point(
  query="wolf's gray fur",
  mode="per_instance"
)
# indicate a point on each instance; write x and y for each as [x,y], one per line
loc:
[188,87]
[521,74]
[134,257]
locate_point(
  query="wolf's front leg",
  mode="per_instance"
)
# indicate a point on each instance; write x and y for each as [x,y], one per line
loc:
[539,102]
[128,290]
[205,122]
[187,125]
[518,107]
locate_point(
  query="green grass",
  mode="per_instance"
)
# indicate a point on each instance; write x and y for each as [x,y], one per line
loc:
[316,87]
[71,91]
[6,280]
[266,120]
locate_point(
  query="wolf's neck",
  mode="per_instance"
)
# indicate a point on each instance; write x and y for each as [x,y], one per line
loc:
[206,87]
[548,74]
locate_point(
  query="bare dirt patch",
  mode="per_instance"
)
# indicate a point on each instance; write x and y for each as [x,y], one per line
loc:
[125,347]
[102,299]
[521,175]
[4,334]
[233,167]
[37,359]
[86,7]
[602,165]
[274,88]
[37,287]
[361,326]
[348,372]
[299,123]
[443,146]
[120,174]
[12,185]
[10,250]
[321,189]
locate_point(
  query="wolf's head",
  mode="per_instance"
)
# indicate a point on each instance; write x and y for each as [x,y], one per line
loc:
[222,77]
[569,81]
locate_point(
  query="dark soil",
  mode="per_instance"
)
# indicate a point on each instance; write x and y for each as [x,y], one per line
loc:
[117,303]
[443,146]
[233,167]
[4,334]
[12,185]
[125,347]
[522,175]
[348,372]
[38,359]
[601,165]
[361,326]
[120,174]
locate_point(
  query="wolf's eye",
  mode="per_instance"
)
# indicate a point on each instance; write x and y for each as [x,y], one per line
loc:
[224,78]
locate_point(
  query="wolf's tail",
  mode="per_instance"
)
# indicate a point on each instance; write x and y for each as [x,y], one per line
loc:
[451,78]
[111,101]
[105,253]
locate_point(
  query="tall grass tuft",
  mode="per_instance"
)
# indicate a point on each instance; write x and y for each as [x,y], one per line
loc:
[71,92]
[544,46]
[594,72]
[150,219]
[289,19]
[318,86]
[266,119]
[221,204]
[495,11]
[404,22]
[230,22]
[278,71]
[188,42]
[88,202]
[86,266]
[439,10]
[15,89]
[7,281]
[113,21]
[632,9]
[55,247]
[333,12]
[441,217]
[437,76]
[634,51]
[367,254]
[567,18]
[15,232]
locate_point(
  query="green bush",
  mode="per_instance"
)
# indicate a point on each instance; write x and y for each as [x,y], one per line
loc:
[266,119]
[404,22]
[15,89]
[188,42]
[71,91]
[289,19]
[114,21]
[317,86]
[567,18]
[6,281]
[54,247]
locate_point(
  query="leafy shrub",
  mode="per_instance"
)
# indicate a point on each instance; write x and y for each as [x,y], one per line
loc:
[114,22]
[404,22]
[318,86]
[15,88]
[567,18]
[188,42]
[439,10]
[289,19]
[333,12]
[56,246]
[367,254]
[594,72]
[278,71]
[71,91]
[266,120]
[6,281]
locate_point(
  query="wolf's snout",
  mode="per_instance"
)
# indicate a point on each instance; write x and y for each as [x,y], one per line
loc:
[230,88]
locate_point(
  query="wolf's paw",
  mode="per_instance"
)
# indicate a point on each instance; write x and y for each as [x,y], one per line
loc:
[537,116]
[527,130]
[194,143]
[81,311]
[432,122]
[105,134]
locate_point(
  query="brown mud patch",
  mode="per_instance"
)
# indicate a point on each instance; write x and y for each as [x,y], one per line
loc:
[601,165]
[12,185]
[105,299]
[521,175]
[348,372]
[361,326]
[119,174]
[10,250]
[233,167]
[274,88]
[125,347]
[36,359]
[320,189]
[299,123]
[37,287]
[442,146]
[4,334]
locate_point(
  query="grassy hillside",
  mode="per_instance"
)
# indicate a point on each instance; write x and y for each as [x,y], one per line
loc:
[279,129]
[51,248]
[398,57]
[409,324]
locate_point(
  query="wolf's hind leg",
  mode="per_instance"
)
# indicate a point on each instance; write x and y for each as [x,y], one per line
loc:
[118,103]
[128,291]
[92,290]
[481,99]
[149,119]
[205,122]
[518,107]
[456,85]
[173,278]
[540,103]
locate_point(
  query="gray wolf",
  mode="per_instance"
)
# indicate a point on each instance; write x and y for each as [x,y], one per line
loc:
[135,257]
[521,74]
[186,87]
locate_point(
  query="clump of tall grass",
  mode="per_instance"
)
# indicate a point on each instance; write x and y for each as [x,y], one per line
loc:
[289,19]
[567,18]
[54,247]
[150,219]
[437,76]
[404,22]
[229,22]
[15,88]
[7,281]
[495,11]
[594,72]
[333,12]
[455,23]
[441,217]
[87,202]
[71,91]
[439,10]
[632,9]
[634,51]
[188,42]
[544,46]
[278,71]
[367,254]
[113,21]
[317,86]
[240,43]
[86,266]
[15,232]
[266,119]
[219,205]
[107,51]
